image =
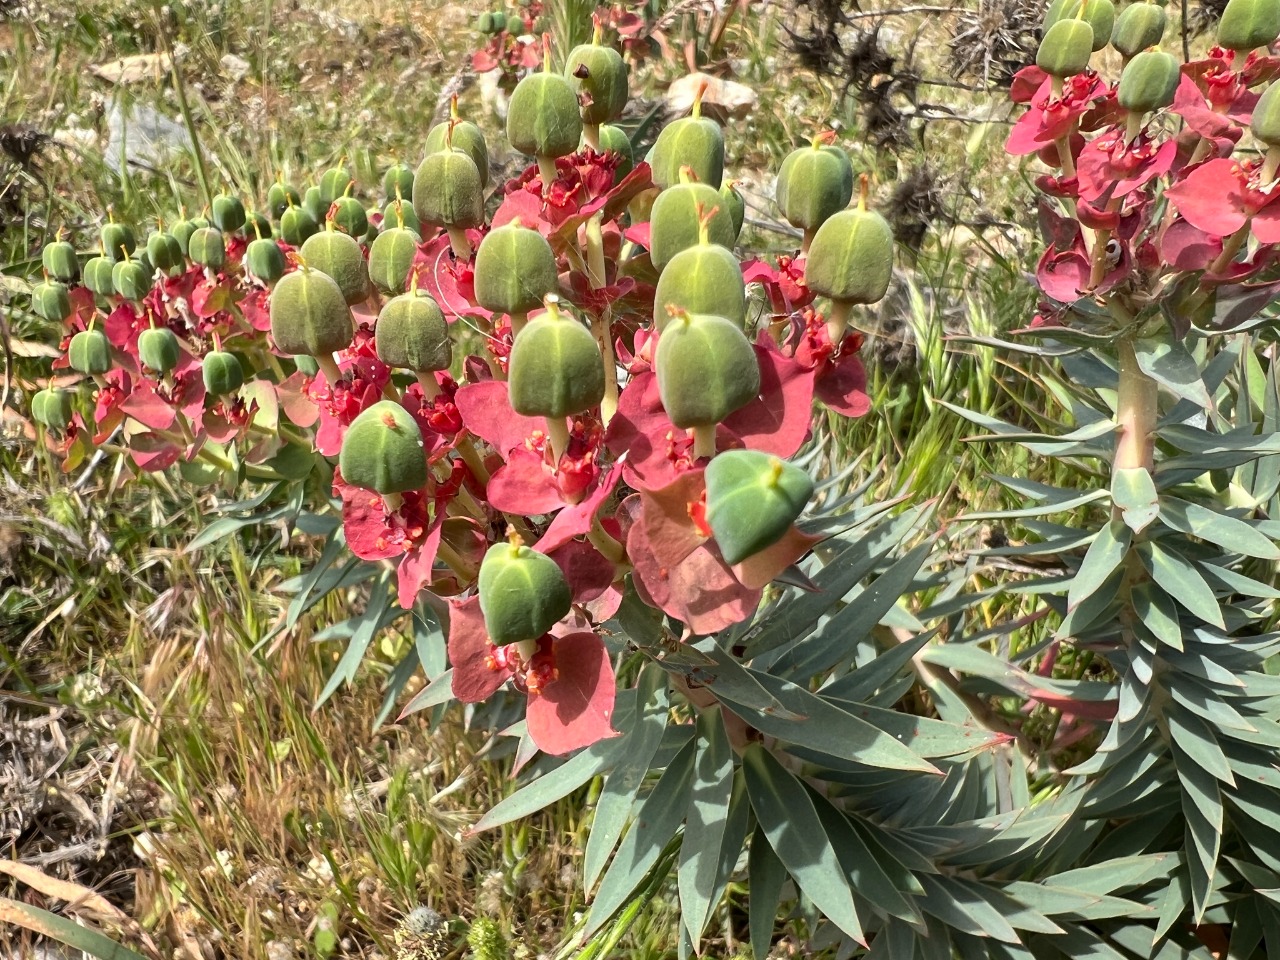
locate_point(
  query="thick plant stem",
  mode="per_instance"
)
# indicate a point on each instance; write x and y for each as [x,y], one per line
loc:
[601,326]
[473,459]
[1136,411]
[518,320]
[558,433]
[704,441]
[329,367]
[838,320]
[591,135]
[609,548]
[430,385]
[546,173]
[459,242]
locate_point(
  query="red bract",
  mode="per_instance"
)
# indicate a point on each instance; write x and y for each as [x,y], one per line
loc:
[568,679]
[1111,166]
[1053,117]
[1221,196]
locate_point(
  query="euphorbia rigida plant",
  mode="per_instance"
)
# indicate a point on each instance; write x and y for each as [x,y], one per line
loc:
[573,427]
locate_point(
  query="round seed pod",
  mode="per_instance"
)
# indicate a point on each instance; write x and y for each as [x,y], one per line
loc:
[397,211]
[556,369]
[265,260]
[296,225]
[222,373]
[51,300]
[542,116]
[60,261]
[704,278]
[315,205]
[398,182]
[753,498]
[1248,24]
[257,225]
[391,258]
[412,334]
[280,197]
[523,593]
[1266,116]
[1149,81]
[131,280]
[1099,14]
[706,369]
[341,258]
[814,183]
[227,213]
[485,23]
[51,407]
[164,251]
[448,191]
[334,183]
[615,140]
[515,270]
[117,240]
[851,257]
[309,315]
[181,232]
[468,138]
[349,217]
[207,248]
[731,200]
[295,461]
[90,352]
[1139,25]
[673,221]
[600,73]
[158,349]
[696,142]
[1066,48]
[382,450]
[97,276]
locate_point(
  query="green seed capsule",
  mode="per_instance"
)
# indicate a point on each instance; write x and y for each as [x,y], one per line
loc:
[484,23]
[339,256]
[731,200]
[296,225]
[1066,48]
[257,225]
[523,593]
[1149,81]
[280,197]
[1140,25]
[90,352]
[398,182]
[164,251]
[309,315]
[615,140]
[131,280]
[1248,24]
[382,450]
[51,407]
[158,349]
[468,138]
[227,213]
[542,116]
[400,210]
[696,142]
[753,498]
[117,240]
[60,261]
[814,183]
[334,183]
[448,191]
[391,258]
[851,257]
[265,260]
[556,369]
[706,369]
[598,75]
[315,204]
[182,231]
[97,276]
[207,248]
[1266,116]
[222,372]
[1099,14]
[704,278]
[673,221]
[51,300]
[412,334]
[515,269]
[349,217]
